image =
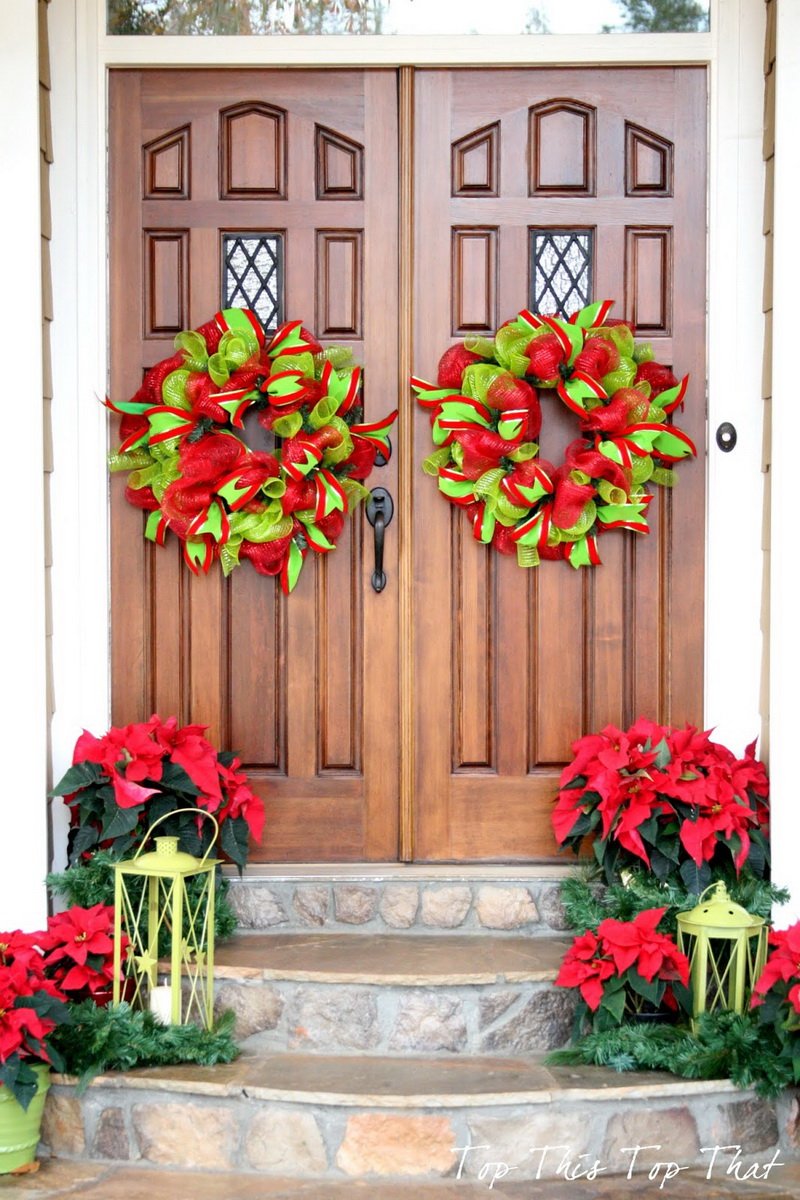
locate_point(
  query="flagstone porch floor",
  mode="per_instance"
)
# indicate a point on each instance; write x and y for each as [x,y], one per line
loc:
[99,1181]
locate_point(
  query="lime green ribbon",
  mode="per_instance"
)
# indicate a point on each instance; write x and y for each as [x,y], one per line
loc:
[233,351]
[337,454]
[194,348]
[510,345]
[266,526]
[340,358]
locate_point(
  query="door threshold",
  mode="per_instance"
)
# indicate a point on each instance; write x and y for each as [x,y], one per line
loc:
[403,871]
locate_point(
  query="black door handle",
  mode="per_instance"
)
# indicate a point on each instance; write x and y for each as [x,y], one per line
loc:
[380,510]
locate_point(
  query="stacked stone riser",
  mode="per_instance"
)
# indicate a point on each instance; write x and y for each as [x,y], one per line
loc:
[255,1131]
[331,1018]
[421,906]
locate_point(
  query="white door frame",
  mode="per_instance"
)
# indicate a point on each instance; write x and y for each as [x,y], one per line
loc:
[82,54]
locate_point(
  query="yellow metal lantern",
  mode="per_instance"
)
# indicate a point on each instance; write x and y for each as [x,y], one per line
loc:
[726,947]
[161,908]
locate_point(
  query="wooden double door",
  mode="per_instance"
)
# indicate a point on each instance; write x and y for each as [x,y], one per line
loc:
[398,212]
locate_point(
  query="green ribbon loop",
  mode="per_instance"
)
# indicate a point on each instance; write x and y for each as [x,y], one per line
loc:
[132,460]
[354,491]
[489,483]
[322,412]
[194,348]
[337,454]
[288,426]
[510,344]
[478,378]
[610,494]
[439,458]
[581,526]
[266,526]
[527,556]
[340,358]
[173,389]
[524,452]
[480,345]
[642,468]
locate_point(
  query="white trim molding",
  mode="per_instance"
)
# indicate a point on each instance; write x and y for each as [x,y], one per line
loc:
[79,489]
[784,708]
[735,352]
[23,697]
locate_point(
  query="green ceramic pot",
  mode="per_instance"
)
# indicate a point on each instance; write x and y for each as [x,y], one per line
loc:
[19,1127]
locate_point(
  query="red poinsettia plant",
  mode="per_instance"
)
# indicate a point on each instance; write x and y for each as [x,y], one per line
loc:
[776,995]
[78,950]
[626,968]
[31,1006]
[669,799]
[121,783]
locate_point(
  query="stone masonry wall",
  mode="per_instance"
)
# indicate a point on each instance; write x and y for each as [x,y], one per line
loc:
[420,906]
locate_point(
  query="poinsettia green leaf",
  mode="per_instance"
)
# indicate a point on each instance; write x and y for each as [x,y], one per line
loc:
[649,830]
[614,1003]
[86,836]
[663,754]
[234,840]
[20,1079]
[175,777]
[695,878]
[78,777]
[756,858]
[120,821]
[651,990]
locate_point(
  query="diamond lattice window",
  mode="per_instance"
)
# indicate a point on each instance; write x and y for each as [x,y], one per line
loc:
[561,270]
[252,275]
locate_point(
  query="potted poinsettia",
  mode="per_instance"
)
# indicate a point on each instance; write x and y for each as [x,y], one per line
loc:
[31,1006]
[776,995]
[626,970]
[665,798]
[122,782]
[78,949]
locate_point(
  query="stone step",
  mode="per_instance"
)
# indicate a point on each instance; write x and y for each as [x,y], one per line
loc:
[103,1181]
[340,1118]
[417,901]
[389,994]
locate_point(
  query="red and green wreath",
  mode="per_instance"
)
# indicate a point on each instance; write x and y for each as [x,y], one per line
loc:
[486,417]
[191,470]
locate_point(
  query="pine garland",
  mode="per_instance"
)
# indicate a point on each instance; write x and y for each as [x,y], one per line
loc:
[726,1045]
[119,1038]
[587,901]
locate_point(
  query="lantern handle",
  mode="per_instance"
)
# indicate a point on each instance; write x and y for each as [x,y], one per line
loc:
[718,886]
[198,812]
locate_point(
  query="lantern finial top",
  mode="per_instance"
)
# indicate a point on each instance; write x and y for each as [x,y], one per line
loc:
[719,912]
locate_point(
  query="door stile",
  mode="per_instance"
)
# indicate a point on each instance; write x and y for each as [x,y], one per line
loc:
[405,455]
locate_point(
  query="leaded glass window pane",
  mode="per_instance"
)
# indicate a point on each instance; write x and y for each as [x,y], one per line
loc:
[252,275]
[561,270]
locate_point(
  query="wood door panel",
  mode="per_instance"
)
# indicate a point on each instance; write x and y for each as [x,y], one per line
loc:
[553,652]
[286,682]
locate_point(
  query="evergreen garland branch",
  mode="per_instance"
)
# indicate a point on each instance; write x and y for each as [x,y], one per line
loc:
[588,901]
[726,1046]
[119,1038]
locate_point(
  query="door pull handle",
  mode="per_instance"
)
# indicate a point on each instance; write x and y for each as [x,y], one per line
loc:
[379,511]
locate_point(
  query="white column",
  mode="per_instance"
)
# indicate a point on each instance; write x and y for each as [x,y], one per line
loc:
[734,561]
[784,606]
[23,693]
[79,483]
